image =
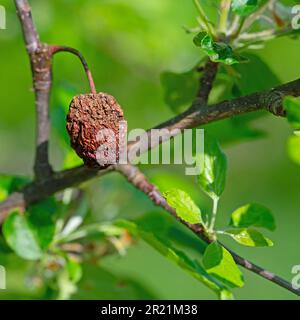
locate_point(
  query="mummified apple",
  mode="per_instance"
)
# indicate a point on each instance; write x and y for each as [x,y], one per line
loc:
[91,121]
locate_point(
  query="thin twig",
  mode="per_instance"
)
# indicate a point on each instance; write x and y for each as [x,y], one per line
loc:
[257,37]
[224,12]
[40,60]
[257,14]
[203,19]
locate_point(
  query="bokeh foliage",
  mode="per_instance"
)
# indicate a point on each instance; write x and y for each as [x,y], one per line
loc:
[130,45]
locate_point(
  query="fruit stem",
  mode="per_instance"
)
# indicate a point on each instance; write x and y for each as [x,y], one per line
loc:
[56,49]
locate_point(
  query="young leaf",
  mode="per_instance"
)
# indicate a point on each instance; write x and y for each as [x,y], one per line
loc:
[185,207]
[198,38]
[218,262]
[244,7]
[292,106]
[254,215]
[20,236]
[249,237]
[213,175]
[217,51]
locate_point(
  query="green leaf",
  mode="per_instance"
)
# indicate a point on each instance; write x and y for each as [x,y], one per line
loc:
[31,233]
[249,237]
[244,7]
[179,89]
[217,51]
[185,207]
[40,216]
[21,237]
[162,244]
[218,262]
[254,215]
[292,106]
[212,178]
[293,146]
[198,38]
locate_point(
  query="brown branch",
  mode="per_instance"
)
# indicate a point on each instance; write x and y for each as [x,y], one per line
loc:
[140,181]
[41,67]
[270,100]
[206,82]
[199,115]
[38,190]
[264,273]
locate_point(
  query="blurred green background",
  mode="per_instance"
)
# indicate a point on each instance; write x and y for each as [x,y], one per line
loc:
[128,44]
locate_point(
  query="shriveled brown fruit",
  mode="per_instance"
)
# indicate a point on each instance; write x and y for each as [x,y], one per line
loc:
[88,115]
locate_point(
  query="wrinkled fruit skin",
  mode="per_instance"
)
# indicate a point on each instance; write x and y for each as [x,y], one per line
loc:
[88,114]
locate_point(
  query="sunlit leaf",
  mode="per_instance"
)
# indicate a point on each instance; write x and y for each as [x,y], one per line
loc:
[212,178]
[253,215]
[185,207]
[218,262]
[249,237]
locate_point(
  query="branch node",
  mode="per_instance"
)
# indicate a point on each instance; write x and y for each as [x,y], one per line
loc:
[273,102]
